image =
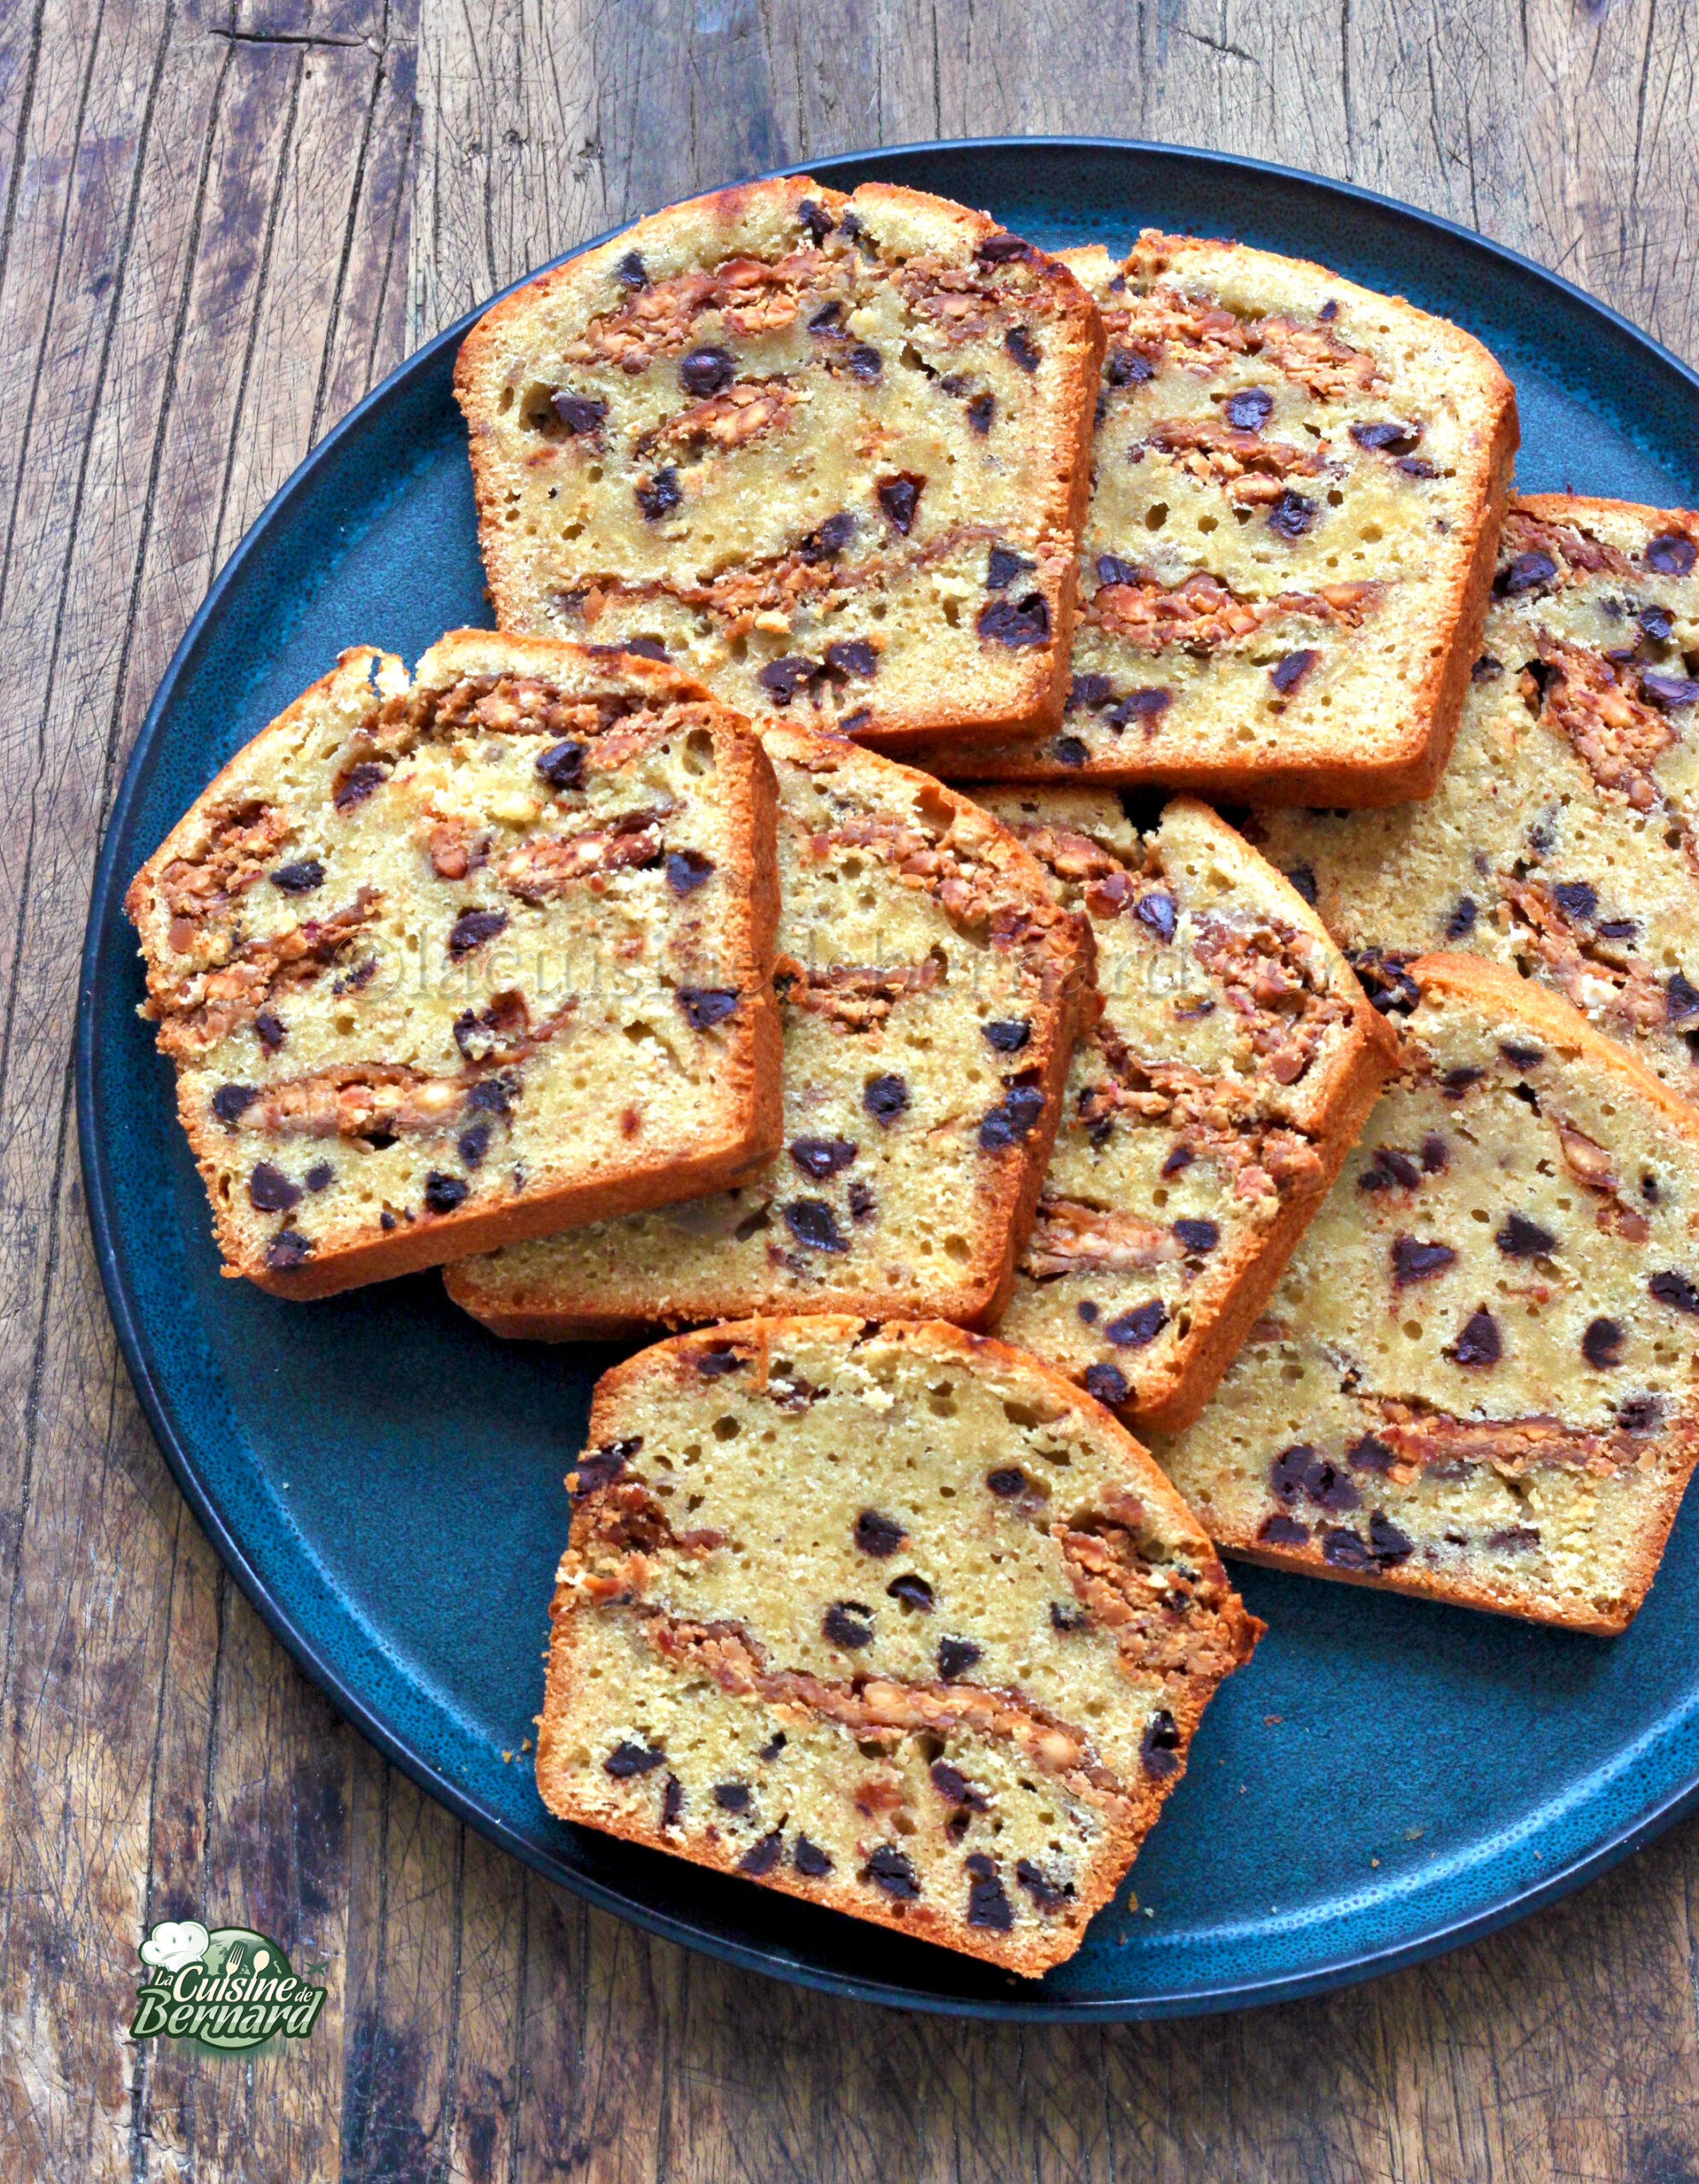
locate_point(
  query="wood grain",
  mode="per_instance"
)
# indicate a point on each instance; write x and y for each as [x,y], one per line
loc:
[219,224]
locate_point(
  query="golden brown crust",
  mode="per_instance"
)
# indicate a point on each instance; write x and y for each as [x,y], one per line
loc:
[747,791]
[978,1291]
[1406,762]
[1059,510]
[1129,1810]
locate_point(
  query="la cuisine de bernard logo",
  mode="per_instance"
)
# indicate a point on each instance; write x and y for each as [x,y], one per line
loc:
[224,1989]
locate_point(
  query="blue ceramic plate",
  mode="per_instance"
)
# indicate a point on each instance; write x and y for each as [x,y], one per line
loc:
[385,1479]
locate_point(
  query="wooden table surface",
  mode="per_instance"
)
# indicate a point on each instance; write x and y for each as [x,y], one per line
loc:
[224,220]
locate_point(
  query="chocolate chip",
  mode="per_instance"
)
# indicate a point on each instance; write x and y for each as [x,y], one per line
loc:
[1455,1082]
[1346,1550]
[580,414]
[865,361]
[1667,689]
[707,371]
[1161,1746]
[1370,1453]
[1486,669]
[825,319]
[885,1098]
[627,1759]
[671,1801]
[1291,515]
[287,1249]
[1126,368]
[1112,570]
[1676,1291]
[815,218]
[1007,1484]
[1524,574]
[472,928]
[1657,622]
[1069,751]
[860,1200]
[1198,1235]
[761,1857]
[784,678]
[1385,433]
[1638,1414]
[1602,1344]
[1389,1169]
[562,765]
[1001,249]
[269,1030]
[658,495]
[988,1904]
[230,1101]
[954,1787]
[1287,673]
[849,226]
[600,1466]
[1617,928]
[828,539]
[474,1144]
[1417,1262]
[1023,348]
[1433,1156]
[1156,911]
[1048,1895]
[1007,1036]
[706,1006]
[687,870]
[1250,409]
[853,656]
[1479,1342]
[443,1192]
[955,1656]
[358,784]
[1015,622]
[979,411]
[812,1222]
[821,1157]
[1133,1330]
[1329,311]
[1522,1238]
[631,272]
[1387,1543]
[715,1363]
[271,1191]
[878,1535]
[1671,554]
[894,1874]
[1089,690]
[1013,1120]
[1680,998]
[1462,919]
[1279,1531]
[809,1860]
[300,877]
[911,1592]
[772,1750]
[1106,1383]
[1576,899]
[320,1177]
[1303,878]
[899,497]
[732,1797]
[1290,1469]
[849,1624]
[1524,1056]
[1067,1615]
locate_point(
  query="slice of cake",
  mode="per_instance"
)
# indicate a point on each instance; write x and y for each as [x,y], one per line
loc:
[1206,1112]
[825,452]
[451,962]
[1561,839]
[929,988]
[1296,488]
[894,1620]
[1477,1378]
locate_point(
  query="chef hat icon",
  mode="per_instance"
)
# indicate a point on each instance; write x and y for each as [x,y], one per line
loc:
[175,1942]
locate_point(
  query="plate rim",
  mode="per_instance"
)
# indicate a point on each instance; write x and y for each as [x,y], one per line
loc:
[1205,1997]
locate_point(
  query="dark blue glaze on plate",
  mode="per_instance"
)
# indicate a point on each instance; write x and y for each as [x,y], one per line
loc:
[385,1479]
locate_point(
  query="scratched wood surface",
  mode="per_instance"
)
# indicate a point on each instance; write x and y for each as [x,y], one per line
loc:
[220,220]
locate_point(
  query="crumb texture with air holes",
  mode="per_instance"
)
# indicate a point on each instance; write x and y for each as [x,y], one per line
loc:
[824,452]
[928,988]
[1477,1379]
[1206,1112]
[1296,488]
[895,1621]
[1561,839]
[445,962]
